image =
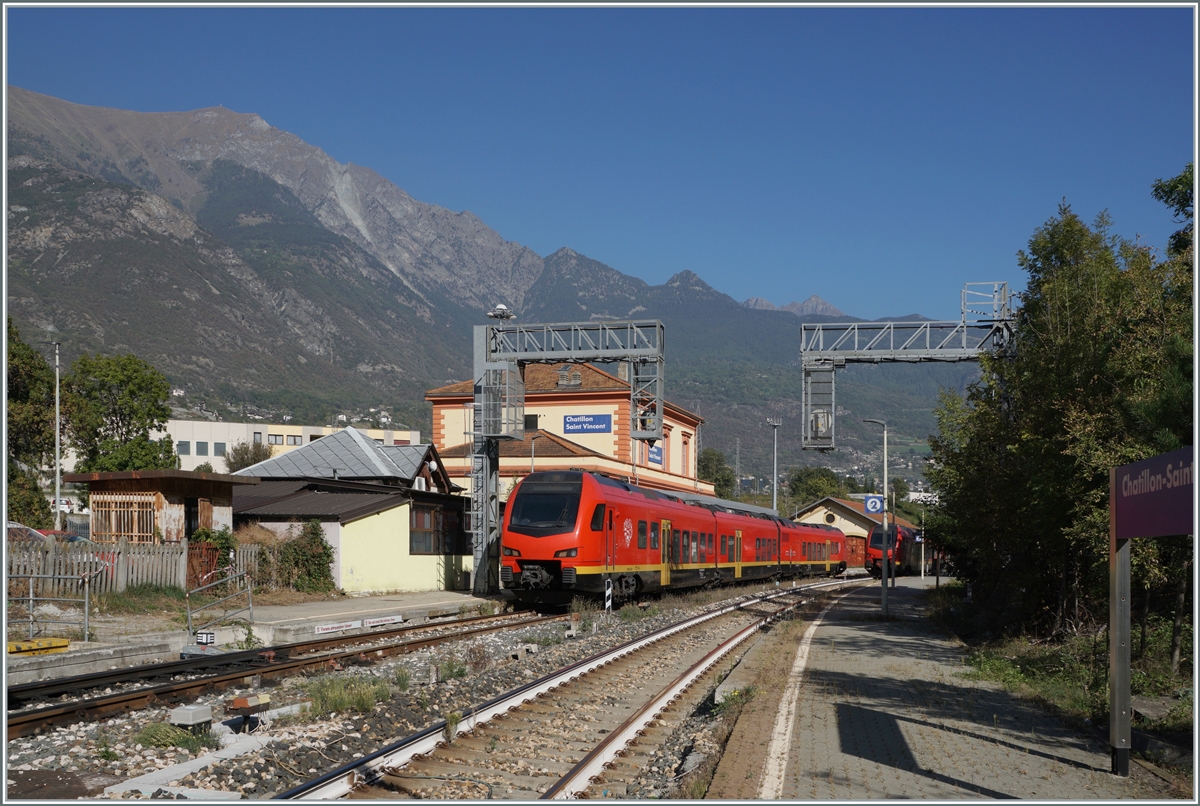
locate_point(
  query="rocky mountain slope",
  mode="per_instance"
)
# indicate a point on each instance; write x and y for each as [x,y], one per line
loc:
[248,265]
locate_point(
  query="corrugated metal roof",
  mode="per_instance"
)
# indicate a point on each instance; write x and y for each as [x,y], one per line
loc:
[343,506]
[345,454]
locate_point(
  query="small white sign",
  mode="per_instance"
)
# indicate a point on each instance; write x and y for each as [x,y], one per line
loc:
[345,625]
[206,638]
[375,622]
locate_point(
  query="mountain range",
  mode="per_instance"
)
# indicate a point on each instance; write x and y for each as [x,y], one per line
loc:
[253,269]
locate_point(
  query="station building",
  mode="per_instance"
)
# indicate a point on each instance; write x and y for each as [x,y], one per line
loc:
[849,516]
[577,416]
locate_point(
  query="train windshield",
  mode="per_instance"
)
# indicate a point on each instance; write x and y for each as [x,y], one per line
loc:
[543,508]
[877,537]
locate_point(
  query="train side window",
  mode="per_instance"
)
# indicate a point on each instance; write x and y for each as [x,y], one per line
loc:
[696,538]
[687,545]
[675,545]
[598,518]
[654,535]
[724,545]
[641,534]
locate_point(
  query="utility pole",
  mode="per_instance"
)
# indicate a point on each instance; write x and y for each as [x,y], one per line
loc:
[57,443]
[886,558]
[774,461]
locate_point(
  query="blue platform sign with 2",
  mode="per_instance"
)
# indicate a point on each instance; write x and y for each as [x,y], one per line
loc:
[873,504]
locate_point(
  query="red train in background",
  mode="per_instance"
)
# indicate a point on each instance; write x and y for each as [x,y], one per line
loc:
[566,532]
[904,551]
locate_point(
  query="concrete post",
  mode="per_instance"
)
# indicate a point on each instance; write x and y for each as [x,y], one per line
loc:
[122,564]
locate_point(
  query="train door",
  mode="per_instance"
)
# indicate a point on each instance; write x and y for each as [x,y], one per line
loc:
[828,563]
[737,558]
[665,544]
[610,543]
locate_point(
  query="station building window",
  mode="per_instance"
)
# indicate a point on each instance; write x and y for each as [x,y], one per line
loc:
[218,449]
[274,439]
[202,449]
[183,447]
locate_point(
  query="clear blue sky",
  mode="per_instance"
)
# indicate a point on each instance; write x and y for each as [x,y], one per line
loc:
[876,157]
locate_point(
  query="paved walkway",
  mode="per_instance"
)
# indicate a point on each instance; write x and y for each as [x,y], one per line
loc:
[883,713]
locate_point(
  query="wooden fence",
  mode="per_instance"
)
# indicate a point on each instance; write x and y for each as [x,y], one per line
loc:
[122,565]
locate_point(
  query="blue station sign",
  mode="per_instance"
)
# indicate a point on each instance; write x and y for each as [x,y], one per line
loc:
[655,454]
[587,423]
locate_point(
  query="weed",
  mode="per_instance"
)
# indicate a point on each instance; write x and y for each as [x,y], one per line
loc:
[423,701]
[477,658]
[734,701]
[546,640]
[451,730]
[631,613]
[163,735]
[403,677]
[451,668]
[337,694]
[492,744]
[250,641]
[105,752]
[696,787]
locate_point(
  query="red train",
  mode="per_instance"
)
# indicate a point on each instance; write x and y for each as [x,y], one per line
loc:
[904,551]
[567,532]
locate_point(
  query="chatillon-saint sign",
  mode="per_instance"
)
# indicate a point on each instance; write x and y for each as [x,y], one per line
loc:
[1151,498]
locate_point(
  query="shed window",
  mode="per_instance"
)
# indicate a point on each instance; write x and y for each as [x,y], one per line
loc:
[433,530]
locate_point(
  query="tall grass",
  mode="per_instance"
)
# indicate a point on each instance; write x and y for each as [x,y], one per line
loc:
[343,694]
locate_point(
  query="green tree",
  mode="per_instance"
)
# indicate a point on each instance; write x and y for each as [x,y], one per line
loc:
[241,455]
[1099,375]
[711,466]
[809,484]
[29,430]
[111,404]
[30,397]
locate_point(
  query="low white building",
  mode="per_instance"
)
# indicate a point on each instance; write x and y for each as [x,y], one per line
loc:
[200,441]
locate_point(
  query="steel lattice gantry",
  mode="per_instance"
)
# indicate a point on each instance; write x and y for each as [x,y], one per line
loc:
[985,326]
[501,352]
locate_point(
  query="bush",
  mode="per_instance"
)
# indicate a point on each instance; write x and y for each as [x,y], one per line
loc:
[223,539]
[306,562]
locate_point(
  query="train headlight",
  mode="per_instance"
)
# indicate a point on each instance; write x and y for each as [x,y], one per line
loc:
[566,552]
[511,552]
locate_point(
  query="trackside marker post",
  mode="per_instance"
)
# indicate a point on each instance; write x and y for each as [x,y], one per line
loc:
[608,596]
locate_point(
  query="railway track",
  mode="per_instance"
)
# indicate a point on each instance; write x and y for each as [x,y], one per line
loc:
[234,669]
[554,737]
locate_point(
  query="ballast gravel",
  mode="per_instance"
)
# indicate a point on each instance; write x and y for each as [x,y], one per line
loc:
[309,744]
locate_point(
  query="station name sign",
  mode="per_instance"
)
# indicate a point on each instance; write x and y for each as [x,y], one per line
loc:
[655,454]
[587,423]
[1153,498]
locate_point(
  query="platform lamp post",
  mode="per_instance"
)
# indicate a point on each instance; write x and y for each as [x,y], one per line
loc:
[884,564]
[774,460]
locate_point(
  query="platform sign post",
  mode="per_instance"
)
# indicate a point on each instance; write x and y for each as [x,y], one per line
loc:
[1151,498]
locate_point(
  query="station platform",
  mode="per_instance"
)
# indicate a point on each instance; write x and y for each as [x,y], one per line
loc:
[128,643]
[883,709]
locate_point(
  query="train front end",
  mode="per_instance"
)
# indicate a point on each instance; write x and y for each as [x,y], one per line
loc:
[541,543]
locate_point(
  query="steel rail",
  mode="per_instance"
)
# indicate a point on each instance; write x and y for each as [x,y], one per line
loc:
[28,722]
[342,781]
[244,659]
[579,777]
